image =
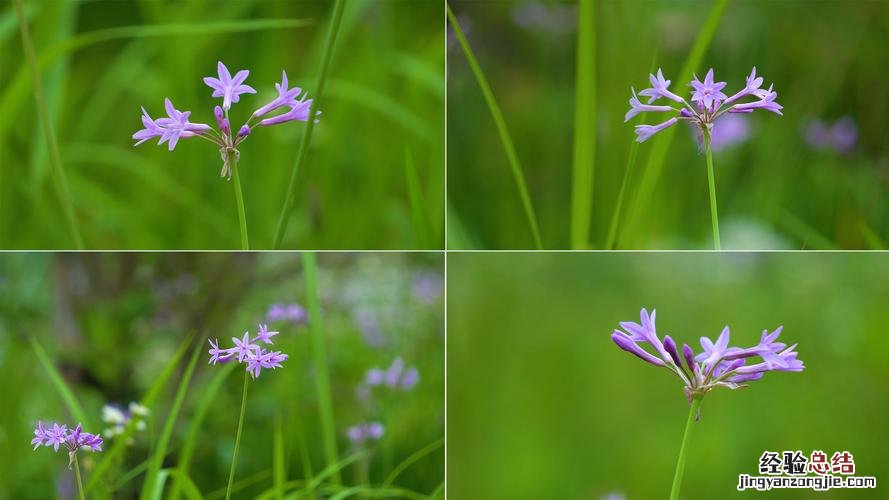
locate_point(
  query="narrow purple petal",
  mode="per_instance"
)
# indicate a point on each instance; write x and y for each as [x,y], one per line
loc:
[625,343]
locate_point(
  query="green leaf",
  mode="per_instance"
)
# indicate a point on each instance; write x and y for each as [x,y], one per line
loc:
[149,488]
[505,138]
[584,127]
[208,395]
[182,480]
[119,445]
[278,459]
[61,386]
[410,460]
[418,213]
[319,358]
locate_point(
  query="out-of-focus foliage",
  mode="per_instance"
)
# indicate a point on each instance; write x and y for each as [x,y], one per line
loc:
[102,60]
[549,407]
[111,322]
[775,191]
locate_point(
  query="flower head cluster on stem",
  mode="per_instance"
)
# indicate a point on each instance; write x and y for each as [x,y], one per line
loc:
[248,350]
[718,365]
[176,125]
[59,435]
[708,103]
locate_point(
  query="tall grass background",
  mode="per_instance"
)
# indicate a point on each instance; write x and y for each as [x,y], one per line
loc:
[82,330]
[101,59]
[564,413]
[561,72]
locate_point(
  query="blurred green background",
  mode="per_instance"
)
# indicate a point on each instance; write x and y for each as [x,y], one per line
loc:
[826,59]
[382,128]
[549,407]
[110,323]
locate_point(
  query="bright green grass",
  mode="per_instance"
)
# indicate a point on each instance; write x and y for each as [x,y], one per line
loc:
[563,402]
[100,61]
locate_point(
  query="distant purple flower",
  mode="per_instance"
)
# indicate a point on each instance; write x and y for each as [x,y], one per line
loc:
[614,496]
[60,435]
[176,125]
[369,326]
[395,377]
[717,365]
[539,16]
[427,286]
[228,88]
[248,350]
[728,131]
[393,374]
[361,433]
[410,379]
[293,313]
[840,137]
[374,377]
[709,103]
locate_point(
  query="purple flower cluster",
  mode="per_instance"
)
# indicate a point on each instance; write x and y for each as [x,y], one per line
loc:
[839,136]
[60,435]
[361,433]
[247,350]
[293,313]
[395,377]
[176,125]
[718,364]
[427,287]
[708,103]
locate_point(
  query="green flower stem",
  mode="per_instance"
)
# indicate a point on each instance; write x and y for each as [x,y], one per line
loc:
[714,218]
[58,173]
[283,219]
[231,474]
[680,465]
[322,374]
[239,198]
[79,480]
